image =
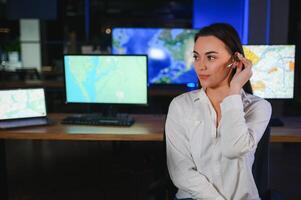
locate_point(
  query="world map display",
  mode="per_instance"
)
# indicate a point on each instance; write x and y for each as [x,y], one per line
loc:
[106,79]
[22,103]
[273,70]
[169,51]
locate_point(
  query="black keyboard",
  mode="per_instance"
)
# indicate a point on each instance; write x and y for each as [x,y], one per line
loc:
[98,120]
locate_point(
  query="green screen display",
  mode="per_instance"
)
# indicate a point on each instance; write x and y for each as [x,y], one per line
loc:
[108,79]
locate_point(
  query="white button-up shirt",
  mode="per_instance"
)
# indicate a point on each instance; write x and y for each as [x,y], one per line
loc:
[206,162]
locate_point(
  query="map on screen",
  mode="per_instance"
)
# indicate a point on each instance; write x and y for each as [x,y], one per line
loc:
[169,52]
[106,79]
[171,61]
[22,103]
[273,70]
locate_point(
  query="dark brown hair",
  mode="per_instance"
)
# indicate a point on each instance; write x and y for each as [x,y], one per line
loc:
[229,36]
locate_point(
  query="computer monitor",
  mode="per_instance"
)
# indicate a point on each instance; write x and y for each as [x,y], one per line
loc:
[22,103]
[273,70]
[169,51]
[22,108]
[110,80]
[106,79]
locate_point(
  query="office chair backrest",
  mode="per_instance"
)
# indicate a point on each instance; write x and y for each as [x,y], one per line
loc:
[260,167]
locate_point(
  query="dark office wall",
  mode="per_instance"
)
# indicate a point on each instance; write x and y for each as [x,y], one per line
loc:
[294,33]
[268,21]
[279,22]
[26,9]
[257,22]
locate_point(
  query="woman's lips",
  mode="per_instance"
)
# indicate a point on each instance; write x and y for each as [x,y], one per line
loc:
[204,77]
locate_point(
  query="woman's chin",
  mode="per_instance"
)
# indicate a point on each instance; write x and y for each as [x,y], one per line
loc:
[204,84]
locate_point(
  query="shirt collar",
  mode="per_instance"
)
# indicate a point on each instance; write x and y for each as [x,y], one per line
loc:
[198,95]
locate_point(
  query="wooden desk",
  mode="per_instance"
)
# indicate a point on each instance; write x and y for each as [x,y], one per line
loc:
[290,132]
[145,128]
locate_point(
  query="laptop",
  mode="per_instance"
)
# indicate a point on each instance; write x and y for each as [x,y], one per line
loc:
[22,108]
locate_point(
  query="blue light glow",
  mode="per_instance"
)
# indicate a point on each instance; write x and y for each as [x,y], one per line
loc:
[191,85]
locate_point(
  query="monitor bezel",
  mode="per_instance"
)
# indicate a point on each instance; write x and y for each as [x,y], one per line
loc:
[101,103]
[156,84]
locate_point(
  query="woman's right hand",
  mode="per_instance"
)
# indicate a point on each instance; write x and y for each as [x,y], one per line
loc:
[241,76]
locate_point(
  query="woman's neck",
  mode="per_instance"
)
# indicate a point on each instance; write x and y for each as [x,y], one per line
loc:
[217,95]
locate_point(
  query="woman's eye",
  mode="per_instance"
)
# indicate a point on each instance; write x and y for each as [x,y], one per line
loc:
[195,57]
[210,57]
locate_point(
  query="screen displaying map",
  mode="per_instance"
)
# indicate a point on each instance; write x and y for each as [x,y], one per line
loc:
[171,62]
[22,103]
[108,79]
[273,70]
[169,52]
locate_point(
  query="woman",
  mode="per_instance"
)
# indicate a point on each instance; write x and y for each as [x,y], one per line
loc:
[212,133]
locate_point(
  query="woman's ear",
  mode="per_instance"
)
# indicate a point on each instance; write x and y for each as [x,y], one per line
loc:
[235,57]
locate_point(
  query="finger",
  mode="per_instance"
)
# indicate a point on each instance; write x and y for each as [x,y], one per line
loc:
[248,63]
[247,72]
[245,61]
[238,69]
[240,64]
[237,64]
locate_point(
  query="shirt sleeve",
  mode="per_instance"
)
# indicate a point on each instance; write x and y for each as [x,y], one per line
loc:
[180,164]
[241,132]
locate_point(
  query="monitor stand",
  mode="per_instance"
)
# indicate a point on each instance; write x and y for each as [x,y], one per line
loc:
[110,114]
[276,121]
[109,111]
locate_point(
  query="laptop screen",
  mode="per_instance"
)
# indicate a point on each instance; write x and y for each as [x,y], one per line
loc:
[22,103]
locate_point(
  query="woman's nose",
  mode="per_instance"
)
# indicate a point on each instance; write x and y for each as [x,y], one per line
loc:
[202,66]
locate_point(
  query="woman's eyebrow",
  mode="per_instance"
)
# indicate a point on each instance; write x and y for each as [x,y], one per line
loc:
[195,52]
[210,52]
